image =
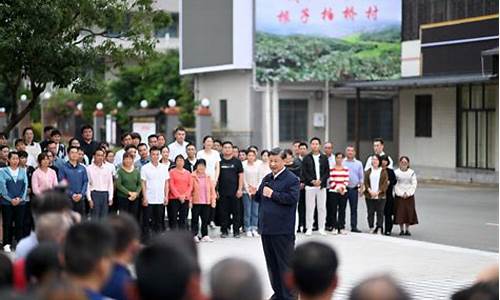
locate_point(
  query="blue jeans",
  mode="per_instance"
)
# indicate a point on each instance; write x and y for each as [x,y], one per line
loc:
[251,211]
[352,196]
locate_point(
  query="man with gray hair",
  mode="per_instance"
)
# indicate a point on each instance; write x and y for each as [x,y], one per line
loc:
[52,227]
[234,278]
[379,288]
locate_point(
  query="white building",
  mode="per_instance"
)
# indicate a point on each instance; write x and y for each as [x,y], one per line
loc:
[442,112]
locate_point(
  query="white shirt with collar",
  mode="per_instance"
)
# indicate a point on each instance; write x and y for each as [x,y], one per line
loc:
[176,149]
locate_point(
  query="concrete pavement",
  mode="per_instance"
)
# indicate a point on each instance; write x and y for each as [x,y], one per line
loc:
[428,270]
[457,237]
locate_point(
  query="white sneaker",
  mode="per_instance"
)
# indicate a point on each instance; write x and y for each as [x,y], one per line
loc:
[206,239]
[249,233]
[196,239]
[334,232]
[322,232]
[255,233]
[309,232]
[212,225]
[6,248]
[343,231]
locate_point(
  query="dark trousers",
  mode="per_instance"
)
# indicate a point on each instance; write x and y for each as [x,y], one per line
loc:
[79,207]
[389,214]
[230,213]
[278,249]
[12,223]
[352,197]
[177,214]
[335,210]
[131,207]
[153,218]
[301,208]
[200,211]
[101,204]
[375,206]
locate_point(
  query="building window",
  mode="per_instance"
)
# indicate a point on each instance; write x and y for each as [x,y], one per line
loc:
[476,126]
[375,119]
[423,115]
[223,113]
[293,119]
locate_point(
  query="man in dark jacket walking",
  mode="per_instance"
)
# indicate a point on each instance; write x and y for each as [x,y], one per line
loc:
[315,173]
[278,195]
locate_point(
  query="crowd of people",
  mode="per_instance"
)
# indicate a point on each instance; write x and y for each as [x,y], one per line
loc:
[75,259]
[161,184]
[81,217]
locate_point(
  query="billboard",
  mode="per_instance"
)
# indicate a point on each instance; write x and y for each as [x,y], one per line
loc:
[215,35]
[309,40]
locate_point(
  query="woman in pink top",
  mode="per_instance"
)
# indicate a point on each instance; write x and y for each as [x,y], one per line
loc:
[44,178]
[179,194]
[203,198]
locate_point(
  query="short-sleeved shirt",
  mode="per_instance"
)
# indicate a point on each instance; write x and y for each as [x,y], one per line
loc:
[211,158]
[155,178]
[229,174]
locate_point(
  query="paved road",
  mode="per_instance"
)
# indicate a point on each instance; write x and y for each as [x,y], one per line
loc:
[453,215]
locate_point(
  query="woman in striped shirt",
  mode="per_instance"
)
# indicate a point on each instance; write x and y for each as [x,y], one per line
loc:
[337,193]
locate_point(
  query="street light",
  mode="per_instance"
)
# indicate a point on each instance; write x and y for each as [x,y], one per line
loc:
[99,106]
[144,103]
[2,109]
[119,104]
[172,103]
[79,106]
[46,96]
[205,102]
[24,97]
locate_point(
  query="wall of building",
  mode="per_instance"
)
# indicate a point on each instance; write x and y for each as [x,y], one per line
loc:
[235,87]
[438,150]
[338,131]
[410,58]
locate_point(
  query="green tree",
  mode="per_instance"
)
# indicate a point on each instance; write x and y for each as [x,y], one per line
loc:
[65,42]
[157,80]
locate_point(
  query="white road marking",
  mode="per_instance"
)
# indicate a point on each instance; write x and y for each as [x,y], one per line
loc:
[491,224]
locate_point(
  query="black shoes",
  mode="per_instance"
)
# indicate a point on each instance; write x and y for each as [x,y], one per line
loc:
[355,230]
[236,235]
[402,233]
[329,228]
[224,235]
[407,233]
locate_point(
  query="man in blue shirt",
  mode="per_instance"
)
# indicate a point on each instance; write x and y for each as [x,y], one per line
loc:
[278,195]
[75,176]
[356,175]
[127,245]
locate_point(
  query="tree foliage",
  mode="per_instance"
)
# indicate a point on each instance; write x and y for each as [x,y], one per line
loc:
[157,80]
[65,43]
[374,55]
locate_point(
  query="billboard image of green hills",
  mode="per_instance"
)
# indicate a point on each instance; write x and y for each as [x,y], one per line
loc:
[292,49]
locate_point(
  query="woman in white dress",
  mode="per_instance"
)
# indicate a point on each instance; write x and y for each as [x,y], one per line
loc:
[406,214]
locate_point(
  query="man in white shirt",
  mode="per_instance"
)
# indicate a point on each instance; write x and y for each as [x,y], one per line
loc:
[126,139]
[154,177]
[179,145]
[100,186]
[378,148]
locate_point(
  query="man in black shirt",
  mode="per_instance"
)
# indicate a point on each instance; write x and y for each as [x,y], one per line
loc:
[4,153]
[230,187]
[87,142]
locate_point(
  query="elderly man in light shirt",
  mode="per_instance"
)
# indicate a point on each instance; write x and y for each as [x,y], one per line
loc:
[356,175]
[179,145]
